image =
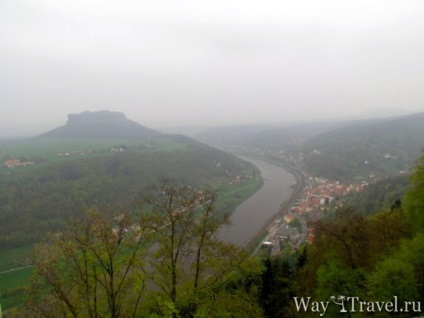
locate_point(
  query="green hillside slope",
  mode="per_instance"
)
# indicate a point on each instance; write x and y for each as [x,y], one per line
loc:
[367,150]
[69,174]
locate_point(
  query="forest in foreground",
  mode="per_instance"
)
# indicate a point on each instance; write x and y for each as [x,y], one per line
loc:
[169,263]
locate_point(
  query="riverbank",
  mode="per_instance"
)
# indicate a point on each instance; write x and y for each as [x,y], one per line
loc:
[249,218]
[300,180]
[256,239]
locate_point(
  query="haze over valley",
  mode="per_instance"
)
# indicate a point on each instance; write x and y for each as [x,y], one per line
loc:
[211,158]
[207,64]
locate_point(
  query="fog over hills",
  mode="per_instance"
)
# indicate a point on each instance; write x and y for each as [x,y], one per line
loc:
[385,113]
[340,149]
[327,89]
[212,64]
[367,148]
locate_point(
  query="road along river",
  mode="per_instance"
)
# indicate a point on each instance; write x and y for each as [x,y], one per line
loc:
[252,214]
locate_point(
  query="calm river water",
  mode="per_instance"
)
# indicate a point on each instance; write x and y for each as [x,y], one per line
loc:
[253,213]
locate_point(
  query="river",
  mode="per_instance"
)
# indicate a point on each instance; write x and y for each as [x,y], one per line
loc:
[253,213]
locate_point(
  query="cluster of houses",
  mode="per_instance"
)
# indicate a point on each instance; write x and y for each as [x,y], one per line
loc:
[317,193]
[12,163]
[73,153]
[283,233]
[235,180]
[320,191]
[118,149]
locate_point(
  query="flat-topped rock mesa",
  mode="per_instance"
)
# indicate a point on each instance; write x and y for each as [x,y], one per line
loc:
[101,124]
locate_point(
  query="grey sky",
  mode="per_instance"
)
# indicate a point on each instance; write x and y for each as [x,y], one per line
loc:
[216,62]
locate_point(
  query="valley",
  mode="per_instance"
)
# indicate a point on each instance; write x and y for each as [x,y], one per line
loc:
[268,180]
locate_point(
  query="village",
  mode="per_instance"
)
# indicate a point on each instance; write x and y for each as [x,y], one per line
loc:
[294,225]
[12,163]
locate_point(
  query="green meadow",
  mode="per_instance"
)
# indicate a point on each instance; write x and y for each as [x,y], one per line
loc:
[15,274]
[239,192]
[47,150]
[12,287]
[50,147]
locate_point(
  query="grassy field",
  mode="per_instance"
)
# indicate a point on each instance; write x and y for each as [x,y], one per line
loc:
[15,257]
[49,148]
[168,146]
[240,191]
[14,275]
[11,287]
[44,151]
[263,252]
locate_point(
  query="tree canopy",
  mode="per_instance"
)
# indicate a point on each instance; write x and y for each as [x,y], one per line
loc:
[166,262]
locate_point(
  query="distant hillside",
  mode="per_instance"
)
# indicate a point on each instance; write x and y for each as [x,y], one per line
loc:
[45,196]
[102,157]
[384,113]
[379,196]
[229,135]
[367,150]
[269,137]
[100,124]
[345,150]
[280,138]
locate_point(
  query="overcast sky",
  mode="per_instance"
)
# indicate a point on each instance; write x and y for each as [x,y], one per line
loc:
[214,62]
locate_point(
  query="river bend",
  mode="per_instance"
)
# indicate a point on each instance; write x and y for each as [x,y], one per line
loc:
[253,213]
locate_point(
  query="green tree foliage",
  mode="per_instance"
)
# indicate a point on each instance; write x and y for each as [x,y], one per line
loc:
[360,149]
[42,199]
[347,248]
[412,252]
[386,229]
[392,277]
[372,257]
[168,262]
[92,269]
[400,274]
[379,196]
[276,288]
[414,198]
[336,278]
[346,236]
[189,264]
[297,224]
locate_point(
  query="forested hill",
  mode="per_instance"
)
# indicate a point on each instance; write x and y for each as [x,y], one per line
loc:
[100,124]
[366,150]
[382,195]
[57,176]
[265,136]
[279,137]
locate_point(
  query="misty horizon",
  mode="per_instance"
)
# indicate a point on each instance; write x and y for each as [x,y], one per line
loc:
[192,130]
[209,63]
